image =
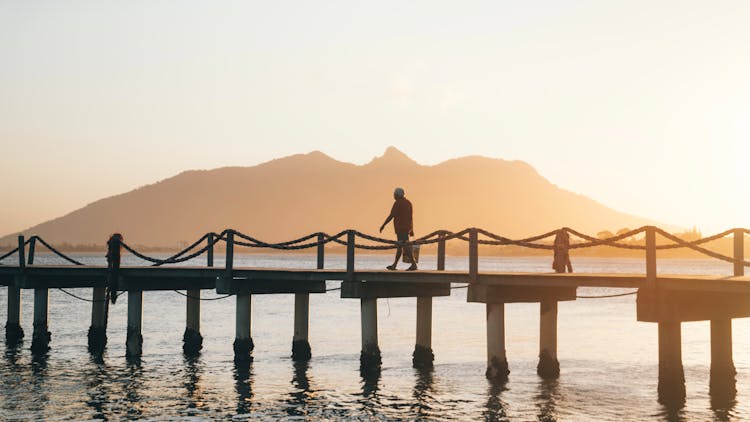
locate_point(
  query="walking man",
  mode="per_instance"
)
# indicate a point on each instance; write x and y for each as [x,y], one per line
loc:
[401,214]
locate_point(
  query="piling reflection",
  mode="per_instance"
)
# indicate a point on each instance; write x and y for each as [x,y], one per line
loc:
[97,388]
[423,392]
[495,406]
[303,395]
[192,378]
[547,399]
[132,390]
[723,393]
[370,400]
[243,384]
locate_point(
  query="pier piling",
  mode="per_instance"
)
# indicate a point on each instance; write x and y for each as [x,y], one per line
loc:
[497,362]
[243,341]
[301,350]
[98,330]
[300,343]
[134,340]
[671,388]
[192,340]
[369,358]
[423,355]
[41,336]
[13,329]
[548,366]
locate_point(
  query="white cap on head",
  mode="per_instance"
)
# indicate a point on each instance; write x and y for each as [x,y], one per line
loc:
[399,192]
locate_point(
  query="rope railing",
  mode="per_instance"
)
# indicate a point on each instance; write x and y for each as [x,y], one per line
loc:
[380,243]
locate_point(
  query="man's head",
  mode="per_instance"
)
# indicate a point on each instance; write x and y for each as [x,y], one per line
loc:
[398,193]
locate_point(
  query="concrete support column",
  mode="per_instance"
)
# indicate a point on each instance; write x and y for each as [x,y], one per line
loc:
[369,358]
[192,340]
[300,342]
[671,374]
[41,336]
[134,340]
[722,365]
[548,366]
[423,356]
[98,329]
[497,362]
[243,340]
[13,330]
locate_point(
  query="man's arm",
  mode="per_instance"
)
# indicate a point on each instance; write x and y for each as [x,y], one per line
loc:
[387,220]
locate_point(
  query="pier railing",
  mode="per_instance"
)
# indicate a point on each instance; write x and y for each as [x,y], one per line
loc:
[352,239]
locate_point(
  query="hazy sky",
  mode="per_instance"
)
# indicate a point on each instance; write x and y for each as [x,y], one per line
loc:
[641,105]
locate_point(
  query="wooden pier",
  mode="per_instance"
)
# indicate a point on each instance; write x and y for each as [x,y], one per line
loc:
[667,300]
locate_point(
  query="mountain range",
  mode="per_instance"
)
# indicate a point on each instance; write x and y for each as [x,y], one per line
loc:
[290,197]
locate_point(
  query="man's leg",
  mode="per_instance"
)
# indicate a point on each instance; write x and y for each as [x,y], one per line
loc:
[395,261]
[409,254]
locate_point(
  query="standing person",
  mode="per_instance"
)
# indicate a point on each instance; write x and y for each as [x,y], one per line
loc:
[561,260]
[401,214]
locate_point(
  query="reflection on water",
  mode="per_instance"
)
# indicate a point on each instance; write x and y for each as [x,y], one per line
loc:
[133,396]
[549,394]
[193,372]
[495,406]
[423,392]
[723,394]
[302,396]
[243,384]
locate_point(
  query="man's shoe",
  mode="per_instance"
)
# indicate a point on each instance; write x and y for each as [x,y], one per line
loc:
[412,268]
[391,267]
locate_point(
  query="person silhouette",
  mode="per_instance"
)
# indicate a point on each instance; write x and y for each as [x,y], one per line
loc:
[561,260]
[401,214]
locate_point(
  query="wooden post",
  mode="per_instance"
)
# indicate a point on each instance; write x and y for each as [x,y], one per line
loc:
[671,374]
[210,251]
[350,255]
[369,358]
[243,340]
[192,340]
[21,253]
[301,350]
[473,256]
[739,252]
[229,260]
[300,344]
[134,340]
[497,362]
[423,355]
[32,248]
[441,252]
[548,366]
[13,330]
[321,251]
[723,382]
[40,338]
[650,257]
[97,337]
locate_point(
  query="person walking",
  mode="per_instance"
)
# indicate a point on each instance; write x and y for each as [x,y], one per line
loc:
[561,260]
[401,214]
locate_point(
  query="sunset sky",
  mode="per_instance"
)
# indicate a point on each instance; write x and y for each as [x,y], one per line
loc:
[641,105]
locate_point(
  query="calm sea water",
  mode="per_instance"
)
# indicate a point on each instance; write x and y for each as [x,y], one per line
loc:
[608,360]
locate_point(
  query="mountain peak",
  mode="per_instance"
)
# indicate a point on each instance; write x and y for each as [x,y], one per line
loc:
[392,156]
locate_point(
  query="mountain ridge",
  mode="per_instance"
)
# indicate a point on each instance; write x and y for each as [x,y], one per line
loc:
[299,194]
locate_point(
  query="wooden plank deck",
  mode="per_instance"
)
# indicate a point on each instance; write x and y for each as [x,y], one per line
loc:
[167,278]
